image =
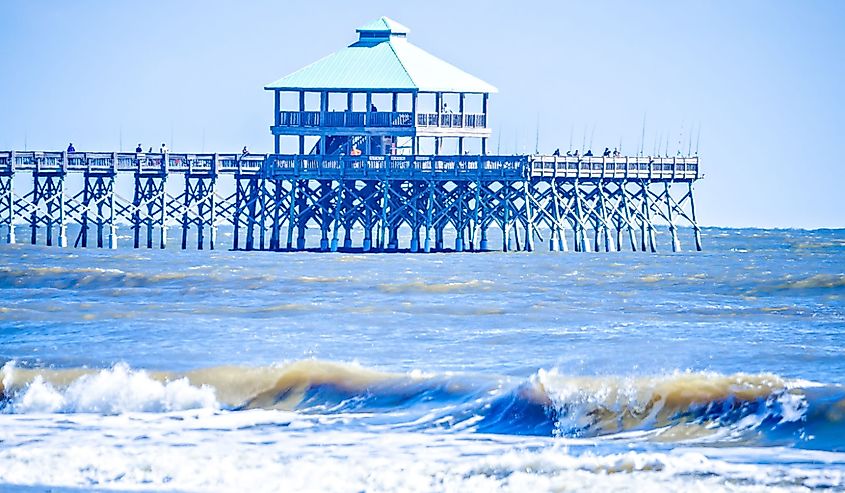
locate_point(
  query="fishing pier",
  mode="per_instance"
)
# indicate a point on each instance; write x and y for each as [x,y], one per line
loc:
[405,176]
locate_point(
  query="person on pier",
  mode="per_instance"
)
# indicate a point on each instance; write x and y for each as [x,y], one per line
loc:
[575,154]
[164,149]
[139,149]
[589,153]
[616,153]
[557,152]
[606,152]
[355,151]
[70,148]
[373,108]
[245,151]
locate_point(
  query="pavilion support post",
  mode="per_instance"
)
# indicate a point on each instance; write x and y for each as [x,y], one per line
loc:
[429,213]
[627,214]
[348,217]
[212,198]
[292,197]
[673,229]
[61,200]
[163,213]
[385,199]
[438,237]
[652,244]
[237,207]
[476,212]
[459,218]
[603,219]
[9,202]
[261,205]
[301,219]
[87,195]
[324,199]
[276,226]
[112,225]
[33,218]
[695,227]
[339,197]
[506,239]
[579,211]
[187,202]
[529,218]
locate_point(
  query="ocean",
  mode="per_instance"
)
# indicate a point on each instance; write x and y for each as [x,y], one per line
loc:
[151,370]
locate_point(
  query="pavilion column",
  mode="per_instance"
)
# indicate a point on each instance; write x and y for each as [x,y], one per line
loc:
[349,101]
[484,104]
[415,141]
[277,118]
[301,111]
[324,108]
[368,145]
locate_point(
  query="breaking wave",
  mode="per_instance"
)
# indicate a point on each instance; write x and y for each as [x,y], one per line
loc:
[743,409]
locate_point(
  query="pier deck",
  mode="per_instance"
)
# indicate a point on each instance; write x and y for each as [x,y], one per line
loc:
[524,197]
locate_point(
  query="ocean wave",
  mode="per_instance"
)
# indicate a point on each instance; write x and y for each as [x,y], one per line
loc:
[682,406]
[71,277]
[429,287]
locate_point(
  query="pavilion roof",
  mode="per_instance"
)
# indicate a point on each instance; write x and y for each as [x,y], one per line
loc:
[382,59]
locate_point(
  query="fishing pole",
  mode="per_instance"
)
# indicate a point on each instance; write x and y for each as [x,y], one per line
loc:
[642,139]
[698,138]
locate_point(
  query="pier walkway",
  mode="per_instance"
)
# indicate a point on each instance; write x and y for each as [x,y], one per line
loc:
[276,198]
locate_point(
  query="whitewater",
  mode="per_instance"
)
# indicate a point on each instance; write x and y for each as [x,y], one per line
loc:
[150,370]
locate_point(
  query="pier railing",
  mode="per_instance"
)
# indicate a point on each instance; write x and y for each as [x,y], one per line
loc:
[614,168]
[397,167]
[358,167]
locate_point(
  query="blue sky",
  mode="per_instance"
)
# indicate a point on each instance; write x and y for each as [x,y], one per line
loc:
[762,79]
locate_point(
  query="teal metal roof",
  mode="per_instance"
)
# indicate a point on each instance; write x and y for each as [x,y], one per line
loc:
[382,59]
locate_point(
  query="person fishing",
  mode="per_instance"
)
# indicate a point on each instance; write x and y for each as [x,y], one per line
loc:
[70,148]
[139,149]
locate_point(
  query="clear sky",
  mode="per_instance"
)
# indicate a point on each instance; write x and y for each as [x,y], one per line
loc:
[763,80]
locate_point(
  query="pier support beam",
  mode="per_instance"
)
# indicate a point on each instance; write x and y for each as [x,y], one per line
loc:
[7,205]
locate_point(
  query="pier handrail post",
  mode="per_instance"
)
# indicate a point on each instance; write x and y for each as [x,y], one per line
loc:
[165,162]
[64,162]
[114,163]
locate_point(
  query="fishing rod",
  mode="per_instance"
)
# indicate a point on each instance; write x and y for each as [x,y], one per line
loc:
[642,139]
[584,140]
[698,138]
[689,147]
[499,142]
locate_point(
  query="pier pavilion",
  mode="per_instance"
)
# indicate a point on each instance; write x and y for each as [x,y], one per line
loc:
[382,96]
[380,141]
